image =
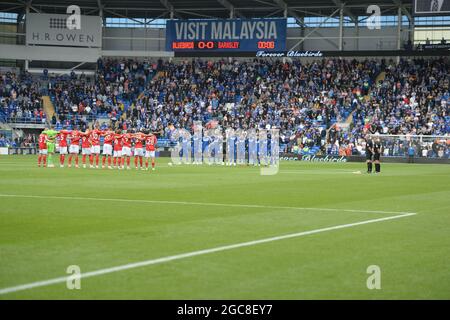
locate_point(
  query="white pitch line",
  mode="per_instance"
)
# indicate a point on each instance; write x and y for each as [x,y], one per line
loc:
[192,254]
[314,172]
[199,203]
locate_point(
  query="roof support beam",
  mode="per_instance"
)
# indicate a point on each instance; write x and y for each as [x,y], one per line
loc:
[169,6]
[267,2]
[314,30]
[405,12]
[347,11]
[229,6]
[123,16]
[300,21]
[13,8]
[100,10]
[193,13]
[283,5]
[28,4]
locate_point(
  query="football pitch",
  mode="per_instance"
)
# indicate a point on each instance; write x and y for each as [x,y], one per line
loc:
[217,232]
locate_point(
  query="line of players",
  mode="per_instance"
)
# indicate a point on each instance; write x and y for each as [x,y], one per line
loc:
[117,148]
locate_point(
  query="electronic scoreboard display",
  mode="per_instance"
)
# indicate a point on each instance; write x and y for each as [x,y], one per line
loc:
[226,35]
[431,7]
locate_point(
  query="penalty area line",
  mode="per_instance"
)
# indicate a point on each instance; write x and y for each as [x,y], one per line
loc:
[192,254]
[237,205]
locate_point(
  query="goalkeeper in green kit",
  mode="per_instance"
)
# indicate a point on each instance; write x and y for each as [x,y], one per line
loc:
[51,142]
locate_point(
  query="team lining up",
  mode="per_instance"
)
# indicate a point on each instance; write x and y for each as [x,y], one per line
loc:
[116,148]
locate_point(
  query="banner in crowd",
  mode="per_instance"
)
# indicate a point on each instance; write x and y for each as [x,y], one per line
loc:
[290,54]
[436,46]
[437,50]
[311,158]
[226,35]
[56,29]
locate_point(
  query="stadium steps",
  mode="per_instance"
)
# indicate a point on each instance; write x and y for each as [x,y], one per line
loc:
[158,75]
[5,126]
[349,119]
[49,108]
[381,76]
[142,94]
[123,116]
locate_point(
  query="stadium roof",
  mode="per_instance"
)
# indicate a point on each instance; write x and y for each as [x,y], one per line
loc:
[208,8]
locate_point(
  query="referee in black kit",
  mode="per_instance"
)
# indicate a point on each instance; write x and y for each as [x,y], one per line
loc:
[369,153]
[377,149]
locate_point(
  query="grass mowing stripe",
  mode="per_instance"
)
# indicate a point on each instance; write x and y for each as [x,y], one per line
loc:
[193,254]
[201,203]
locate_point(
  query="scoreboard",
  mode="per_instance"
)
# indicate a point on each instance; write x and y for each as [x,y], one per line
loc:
[431,7]
[221,45]
[230,35]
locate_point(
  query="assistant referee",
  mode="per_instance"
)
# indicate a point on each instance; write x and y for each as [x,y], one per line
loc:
[369,153]
[377,150]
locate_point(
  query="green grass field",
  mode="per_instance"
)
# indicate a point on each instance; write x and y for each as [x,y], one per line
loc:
[96,219]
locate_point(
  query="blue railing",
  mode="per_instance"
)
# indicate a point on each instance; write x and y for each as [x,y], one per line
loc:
[24,120]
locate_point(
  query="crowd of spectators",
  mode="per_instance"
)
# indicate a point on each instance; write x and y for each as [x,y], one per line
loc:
[413,99]
[116,84]
[5,141]
[26,141]
[20,98]
[302,99]
[306,100]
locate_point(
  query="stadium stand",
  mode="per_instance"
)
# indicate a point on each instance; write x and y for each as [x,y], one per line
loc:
[305,100]
[20,99]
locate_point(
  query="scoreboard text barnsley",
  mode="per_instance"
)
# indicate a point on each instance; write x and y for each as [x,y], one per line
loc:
[226,35]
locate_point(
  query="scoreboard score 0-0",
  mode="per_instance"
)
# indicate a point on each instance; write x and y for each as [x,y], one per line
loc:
[226,35]
[218,45]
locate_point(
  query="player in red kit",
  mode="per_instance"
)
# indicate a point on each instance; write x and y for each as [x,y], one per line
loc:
[150,148]
[85,146]
[117,156]
[94,137]
[126,149]
[63,135]
[74,148]
[108,138]
[42,157]
[139,139]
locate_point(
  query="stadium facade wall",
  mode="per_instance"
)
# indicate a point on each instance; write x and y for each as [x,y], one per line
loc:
[150,42]
[48,53]
[134,39]
[383,39]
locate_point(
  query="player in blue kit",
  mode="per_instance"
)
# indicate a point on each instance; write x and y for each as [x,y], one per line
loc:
[252,148]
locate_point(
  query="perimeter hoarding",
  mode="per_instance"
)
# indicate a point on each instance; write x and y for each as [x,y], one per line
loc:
[226,35]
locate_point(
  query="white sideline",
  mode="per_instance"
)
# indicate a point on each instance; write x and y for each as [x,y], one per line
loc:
[192,254]
[200,203]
